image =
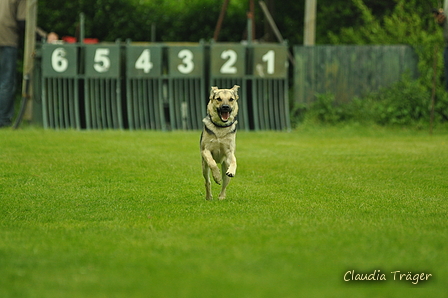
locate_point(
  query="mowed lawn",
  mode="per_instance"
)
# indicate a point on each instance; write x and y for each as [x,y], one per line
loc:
[123,214]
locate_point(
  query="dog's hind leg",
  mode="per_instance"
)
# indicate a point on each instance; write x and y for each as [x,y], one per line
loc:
[208,186]
[225,181]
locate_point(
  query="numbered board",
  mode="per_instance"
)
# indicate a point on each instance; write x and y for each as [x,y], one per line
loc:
[228,60]
[102,61]
[186,61]
[270,61]
[143,61]
[59,60]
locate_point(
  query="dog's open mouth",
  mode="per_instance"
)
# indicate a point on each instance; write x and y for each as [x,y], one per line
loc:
[225,116]
[224,113]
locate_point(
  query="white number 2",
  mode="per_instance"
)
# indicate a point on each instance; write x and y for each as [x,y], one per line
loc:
[228,66]
[187,60]
[269,57]
[144,61]
[102,61]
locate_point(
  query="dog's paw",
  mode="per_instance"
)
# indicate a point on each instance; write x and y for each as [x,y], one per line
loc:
[217,176]
[230,174]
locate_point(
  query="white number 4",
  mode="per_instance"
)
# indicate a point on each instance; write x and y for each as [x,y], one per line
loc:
[144,61]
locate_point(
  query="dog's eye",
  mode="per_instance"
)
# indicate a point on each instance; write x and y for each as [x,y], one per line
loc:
[232,99]
[218,99]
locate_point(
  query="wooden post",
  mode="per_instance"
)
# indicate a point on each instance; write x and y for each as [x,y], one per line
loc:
[220,20]
[433,94]
[274,27]
[252,16]
[28,58]
[309,33]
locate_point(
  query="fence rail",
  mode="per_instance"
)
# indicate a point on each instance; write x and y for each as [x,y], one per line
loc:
[348,71]
[159,86]
[166,86]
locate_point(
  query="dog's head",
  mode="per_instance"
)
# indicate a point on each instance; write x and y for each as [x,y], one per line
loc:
[223,105]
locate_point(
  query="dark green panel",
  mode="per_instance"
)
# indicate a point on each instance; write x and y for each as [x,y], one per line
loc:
[270,61]
[102,61]
[143,61]
[186,61]
[227,60]
[59,60]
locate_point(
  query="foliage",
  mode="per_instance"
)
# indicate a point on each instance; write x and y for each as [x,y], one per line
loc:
[192,20]
[406,102]
[406,25]
[109,20]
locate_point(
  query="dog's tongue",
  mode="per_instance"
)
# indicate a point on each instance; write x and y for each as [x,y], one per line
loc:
[225,116]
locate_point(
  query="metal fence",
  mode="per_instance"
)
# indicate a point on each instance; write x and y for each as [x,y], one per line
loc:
[160,86]
[102,89]
[166,86]
[186,87]
[59,87]
[349,71]
[144,85]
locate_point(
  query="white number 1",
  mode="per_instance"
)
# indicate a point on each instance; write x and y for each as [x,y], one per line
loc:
[269,57]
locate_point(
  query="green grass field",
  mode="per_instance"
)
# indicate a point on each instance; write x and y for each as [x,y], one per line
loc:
[122,214]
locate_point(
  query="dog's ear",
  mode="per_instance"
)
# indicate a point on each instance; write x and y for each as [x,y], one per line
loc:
[212,92]
[235,91]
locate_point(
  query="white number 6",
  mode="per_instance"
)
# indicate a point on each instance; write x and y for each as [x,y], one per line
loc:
[58,60]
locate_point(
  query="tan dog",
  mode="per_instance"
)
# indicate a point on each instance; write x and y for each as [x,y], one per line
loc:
[218,139]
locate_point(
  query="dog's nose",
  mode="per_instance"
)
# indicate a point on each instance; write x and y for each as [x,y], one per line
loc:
[225,108]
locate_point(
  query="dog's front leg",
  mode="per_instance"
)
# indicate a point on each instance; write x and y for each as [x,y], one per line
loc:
[231,161]
[207,156]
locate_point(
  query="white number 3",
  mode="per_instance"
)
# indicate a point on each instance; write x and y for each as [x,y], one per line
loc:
[187,60]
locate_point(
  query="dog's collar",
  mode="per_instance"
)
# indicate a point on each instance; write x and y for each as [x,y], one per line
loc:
[220,125]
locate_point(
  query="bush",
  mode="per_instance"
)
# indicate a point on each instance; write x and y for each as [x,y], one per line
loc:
[407,102]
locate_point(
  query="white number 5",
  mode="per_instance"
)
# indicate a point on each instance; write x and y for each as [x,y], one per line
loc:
[102,61]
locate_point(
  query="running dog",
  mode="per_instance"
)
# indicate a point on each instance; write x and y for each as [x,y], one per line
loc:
[218,139]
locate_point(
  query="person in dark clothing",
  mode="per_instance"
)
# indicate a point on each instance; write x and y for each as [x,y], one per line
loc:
[12,23]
